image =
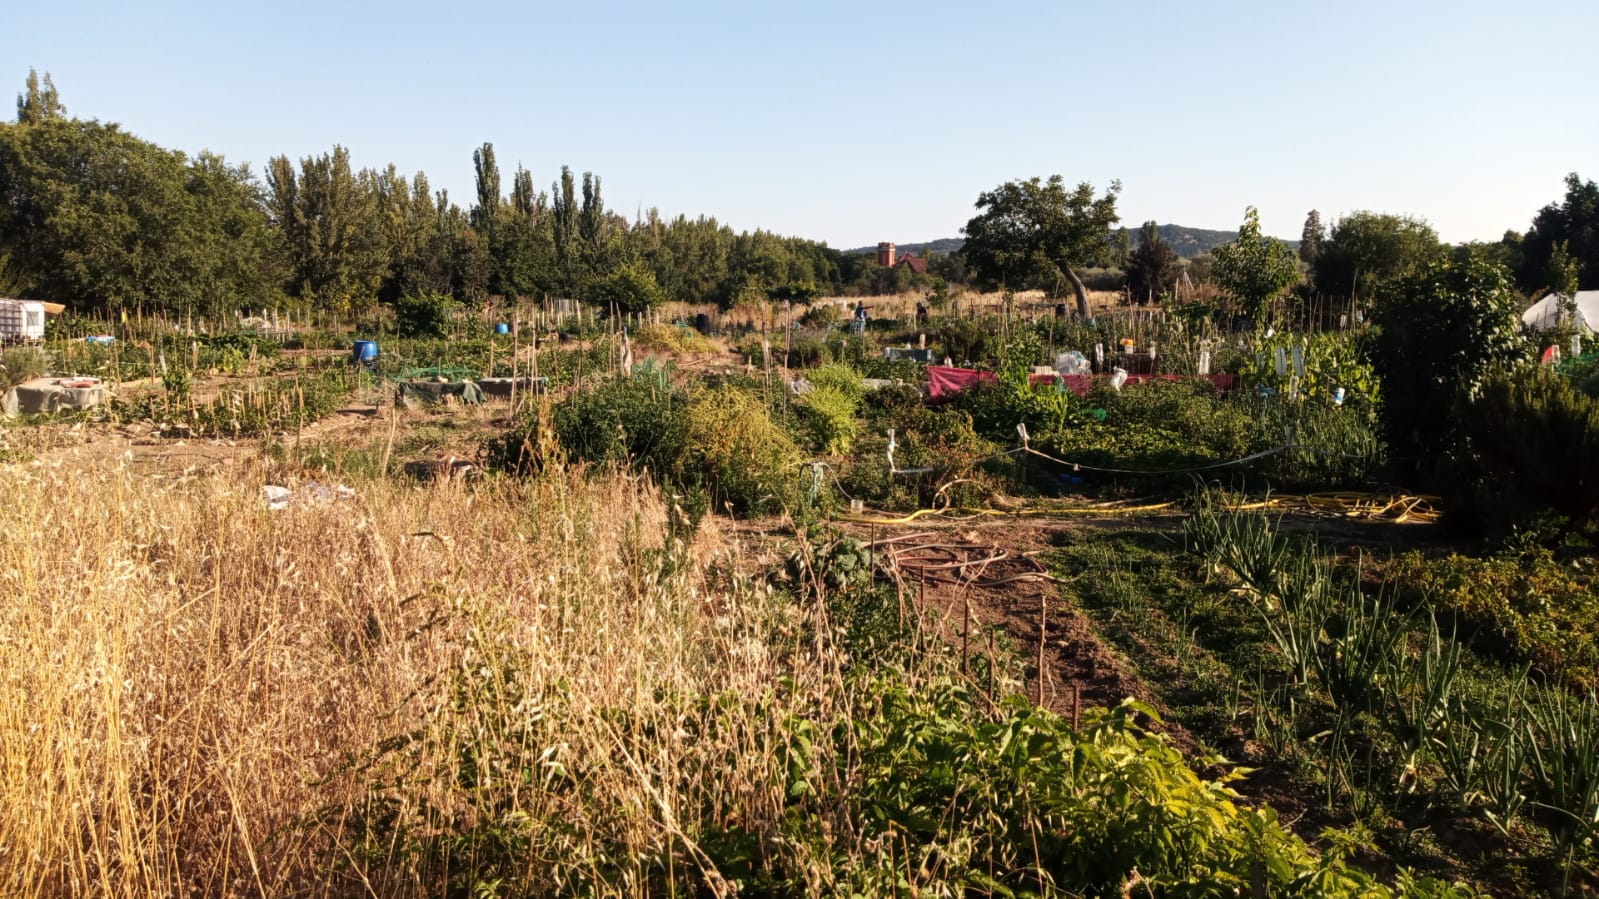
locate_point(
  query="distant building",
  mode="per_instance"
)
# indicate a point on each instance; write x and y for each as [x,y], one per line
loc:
[916,263]
[887,257]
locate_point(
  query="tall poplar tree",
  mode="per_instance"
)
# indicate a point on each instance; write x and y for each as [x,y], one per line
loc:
[1310,239]
[328,216]
[39,103]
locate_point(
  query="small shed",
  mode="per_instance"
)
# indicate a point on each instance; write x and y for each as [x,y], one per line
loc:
[1547,313]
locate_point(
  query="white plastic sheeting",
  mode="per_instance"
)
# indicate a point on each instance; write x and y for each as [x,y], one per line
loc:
[1546,313]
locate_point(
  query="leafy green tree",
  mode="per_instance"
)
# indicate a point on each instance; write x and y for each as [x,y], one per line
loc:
[570,259]
[631,288]
[1369,250]
[97,218]
[1439,334]
[1310,239]
[331,231]
[39,103]
[1573,222]
[519,248]
[1563,271]
[227,247]
[593,221]
[1254,269]
[471,259]
[524,254]
[689,256]
[1505,251]
[416,243]
[1037,232]
[1152,267]
[487,209]
[794,292]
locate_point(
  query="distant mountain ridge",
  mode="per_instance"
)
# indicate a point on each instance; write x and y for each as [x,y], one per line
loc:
[942,245]
[1188,242]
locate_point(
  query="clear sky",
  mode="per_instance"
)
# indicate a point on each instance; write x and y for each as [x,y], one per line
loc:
[854,123]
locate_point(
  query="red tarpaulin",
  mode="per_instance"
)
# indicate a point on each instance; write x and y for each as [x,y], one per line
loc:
[943,381]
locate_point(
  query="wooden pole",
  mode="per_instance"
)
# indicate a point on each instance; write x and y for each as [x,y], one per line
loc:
[1043,625]
[966,627]
[992,655]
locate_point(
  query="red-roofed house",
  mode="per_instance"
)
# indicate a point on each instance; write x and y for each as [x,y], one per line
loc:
[887,257]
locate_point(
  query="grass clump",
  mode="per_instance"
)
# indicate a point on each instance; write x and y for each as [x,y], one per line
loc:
[677,339]
[831,407]
[18,365]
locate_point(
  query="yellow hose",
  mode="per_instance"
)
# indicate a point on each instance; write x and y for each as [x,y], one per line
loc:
[1349,504]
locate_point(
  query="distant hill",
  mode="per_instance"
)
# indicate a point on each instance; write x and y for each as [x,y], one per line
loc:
[942,245]
[1188,242]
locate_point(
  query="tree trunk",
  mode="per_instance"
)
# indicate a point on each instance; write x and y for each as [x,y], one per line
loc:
[1079,289]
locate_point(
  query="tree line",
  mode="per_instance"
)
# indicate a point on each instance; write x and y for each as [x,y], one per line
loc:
[1042,234]
[100,219]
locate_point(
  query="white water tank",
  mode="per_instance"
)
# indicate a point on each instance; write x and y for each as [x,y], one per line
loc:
[21,320]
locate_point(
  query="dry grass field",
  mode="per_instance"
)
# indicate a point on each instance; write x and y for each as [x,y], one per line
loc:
[202,697]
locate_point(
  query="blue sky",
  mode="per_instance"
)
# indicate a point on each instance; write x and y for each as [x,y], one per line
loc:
[854,123]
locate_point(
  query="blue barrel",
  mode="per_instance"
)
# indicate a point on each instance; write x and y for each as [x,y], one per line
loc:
[502,328]
[366,352]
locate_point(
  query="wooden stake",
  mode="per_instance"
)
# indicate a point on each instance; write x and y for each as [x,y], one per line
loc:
[1043,625]
[899,596]
[992,655]
[966,627]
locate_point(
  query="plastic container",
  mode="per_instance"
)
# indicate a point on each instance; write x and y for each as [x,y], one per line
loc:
[365,352]
[502,328]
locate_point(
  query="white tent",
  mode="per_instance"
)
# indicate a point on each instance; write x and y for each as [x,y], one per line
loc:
[1545,314]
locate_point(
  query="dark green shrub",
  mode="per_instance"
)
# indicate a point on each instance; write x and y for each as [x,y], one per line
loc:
[628,420]
[424,316]
[1527,458]
[939,445]
[1440,333]
[905,370]
[719,440]
[962,340]
[1155,426]
[822,316]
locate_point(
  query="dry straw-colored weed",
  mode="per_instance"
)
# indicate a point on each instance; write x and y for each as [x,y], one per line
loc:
[202,697]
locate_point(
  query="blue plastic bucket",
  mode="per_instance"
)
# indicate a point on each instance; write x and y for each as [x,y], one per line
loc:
[502,328]
[366,352]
